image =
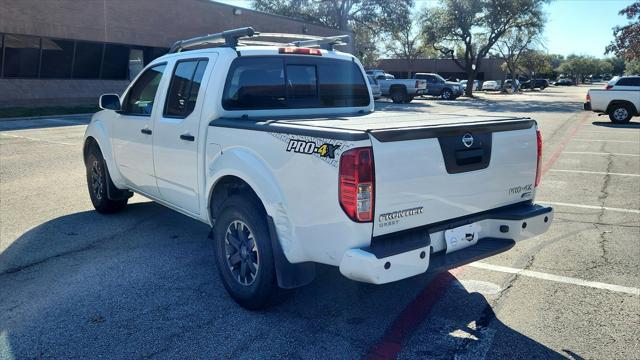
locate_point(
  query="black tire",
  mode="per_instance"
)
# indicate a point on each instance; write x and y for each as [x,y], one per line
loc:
[447,94]
[408,99]
[398,95]
[620,113]
[241,233]
[97,181]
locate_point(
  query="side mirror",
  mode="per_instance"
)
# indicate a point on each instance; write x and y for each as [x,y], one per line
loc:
[110,102]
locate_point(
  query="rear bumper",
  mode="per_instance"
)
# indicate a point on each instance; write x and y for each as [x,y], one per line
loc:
[587,106]
[399,256]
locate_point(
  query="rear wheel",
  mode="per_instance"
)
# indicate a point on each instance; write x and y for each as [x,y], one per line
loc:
[398,95]
[620,113]
[243,252]
[409,99]
[98,180]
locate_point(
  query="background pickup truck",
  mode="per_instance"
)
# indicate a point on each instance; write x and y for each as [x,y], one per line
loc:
[620,99]
[401,91]
[438,86]
[298,172]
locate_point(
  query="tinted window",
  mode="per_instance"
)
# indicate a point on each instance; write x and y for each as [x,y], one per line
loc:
[302,81]
[255,83]
[22,56]
[116,62]
[628,82]
[184,87]
[56,58]
[88,59]
[341,84]
[259,83]
[142,94]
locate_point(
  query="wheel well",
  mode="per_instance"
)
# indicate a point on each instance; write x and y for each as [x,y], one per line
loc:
[226,187]
[89,143]
[622,102]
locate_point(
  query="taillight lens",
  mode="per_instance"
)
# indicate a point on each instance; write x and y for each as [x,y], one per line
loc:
[539,164]
[357,185]
[301,51]
[588,97]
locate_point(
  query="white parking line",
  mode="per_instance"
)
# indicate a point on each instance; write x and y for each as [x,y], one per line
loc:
[594,207]
[34,139]
[597,153]
[592,172]
[598,140]
[558,278]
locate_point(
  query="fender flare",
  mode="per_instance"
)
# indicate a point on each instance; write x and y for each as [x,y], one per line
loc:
[98,132]
[250,168]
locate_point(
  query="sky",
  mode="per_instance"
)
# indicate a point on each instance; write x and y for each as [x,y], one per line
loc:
[573,26]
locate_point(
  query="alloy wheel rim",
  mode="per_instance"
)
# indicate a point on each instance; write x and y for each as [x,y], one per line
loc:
[97,182]
[620,114]
[241,253]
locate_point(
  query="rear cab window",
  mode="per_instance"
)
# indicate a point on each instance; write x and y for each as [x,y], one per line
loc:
[293,82]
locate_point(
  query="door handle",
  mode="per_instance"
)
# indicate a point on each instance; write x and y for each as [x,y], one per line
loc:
[187,137]
[146,131]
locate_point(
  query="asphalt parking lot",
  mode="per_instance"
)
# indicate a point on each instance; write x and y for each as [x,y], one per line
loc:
[142,283]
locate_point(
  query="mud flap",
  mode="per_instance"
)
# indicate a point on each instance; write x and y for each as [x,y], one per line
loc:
[113,193]
[289,275]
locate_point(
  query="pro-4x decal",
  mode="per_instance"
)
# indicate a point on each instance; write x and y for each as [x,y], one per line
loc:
[327,150]
[310,147]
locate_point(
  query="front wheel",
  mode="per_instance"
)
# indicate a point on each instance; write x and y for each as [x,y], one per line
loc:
[620,114]
[446,94]
[97,181]
[243,252]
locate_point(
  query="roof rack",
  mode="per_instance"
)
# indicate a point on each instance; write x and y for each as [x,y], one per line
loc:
[231,38]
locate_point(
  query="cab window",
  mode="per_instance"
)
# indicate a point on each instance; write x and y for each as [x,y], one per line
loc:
[139,100]
[184,87]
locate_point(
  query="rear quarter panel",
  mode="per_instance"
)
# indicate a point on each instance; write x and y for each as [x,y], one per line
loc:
[299,190]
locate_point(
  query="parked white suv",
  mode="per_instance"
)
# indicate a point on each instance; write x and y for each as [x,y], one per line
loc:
[620,99]
[279,150]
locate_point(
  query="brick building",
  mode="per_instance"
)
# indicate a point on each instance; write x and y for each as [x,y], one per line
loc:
[63,52]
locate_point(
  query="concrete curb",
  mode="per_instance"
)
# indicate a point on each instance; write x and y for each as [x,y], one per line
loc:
[70,116]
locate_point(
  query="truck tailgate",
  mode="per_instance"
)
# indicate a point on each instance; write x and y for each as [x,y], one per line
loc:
[429,174]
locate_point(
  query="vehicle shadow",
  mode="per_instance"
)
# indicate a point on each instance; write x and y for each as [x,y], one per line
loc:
[630,125]
[142,283]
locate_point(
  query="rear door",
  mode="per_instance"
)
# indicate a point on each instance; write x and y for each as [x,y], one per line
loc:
[424,176]
[176,133]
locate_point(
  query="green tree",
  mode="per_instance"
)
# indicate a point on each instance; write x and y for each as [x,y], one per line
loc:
[617,65]
[579,67]
[405,43]
[535,63]
[370,20]
[627,38]
[476,26]
[632,67]
[514,44]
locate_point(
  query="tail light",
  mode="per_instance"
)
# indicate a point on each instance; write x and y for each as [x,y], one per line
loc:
[539,163]
[588,97]
[300,51]
[608,87]
[356,191]
[418,83]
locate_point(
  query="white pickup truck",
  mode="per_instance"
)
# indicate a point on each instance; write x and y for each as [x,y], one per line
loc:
[279,150]
[620,99]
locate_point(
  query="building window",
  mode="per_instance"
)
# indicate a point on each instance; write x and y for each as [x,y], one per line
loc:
[88,59]
[22,56]
[57,56]
[115,65]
